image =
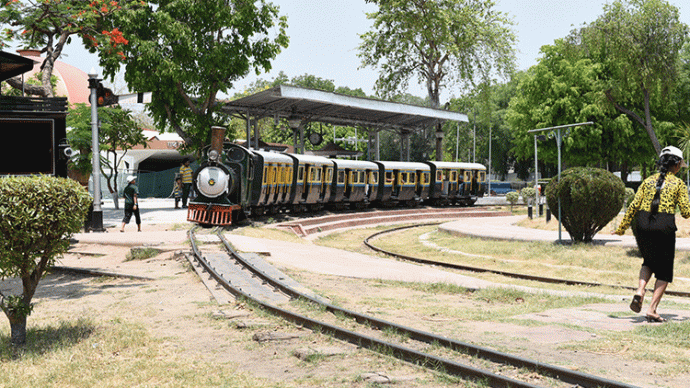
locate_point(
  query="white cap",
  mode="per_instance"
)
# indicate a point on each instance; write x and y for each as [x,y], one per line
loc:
[675,151]
[131,178]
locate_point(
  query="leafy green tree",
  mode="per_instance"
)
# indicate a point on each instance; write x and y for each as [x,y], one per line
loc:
[49,25]
[438,42]
[566,88]
[638,42]
[186,52]
[118,132]
[38,215]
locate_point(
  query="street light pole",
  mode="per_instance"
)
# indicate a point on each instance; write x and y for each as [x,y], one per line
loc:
[97,214]
[558,143]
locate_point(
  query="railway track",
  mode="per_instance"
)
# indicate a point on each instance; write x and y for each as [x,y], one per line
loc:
[461,267]
[278,290]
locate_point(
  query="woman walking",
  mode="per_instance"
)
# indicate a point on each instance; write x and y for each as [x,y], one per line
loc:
[653,211]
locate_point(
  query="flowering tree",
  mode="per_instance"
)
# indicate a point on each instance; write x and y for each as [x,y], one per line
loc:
[48,25]
[187,52]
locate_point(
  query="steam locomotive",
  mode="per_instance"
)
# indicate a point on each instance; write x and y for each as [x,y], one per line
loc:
[234,182]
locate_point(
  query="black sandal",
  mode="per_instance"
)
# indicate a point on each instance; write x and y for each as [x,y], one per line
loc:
[636,304]
[653,319]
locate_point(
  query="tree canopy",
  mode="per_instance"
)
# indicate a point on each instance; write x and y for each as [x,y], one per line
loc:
[186,52]
[441,42]
[638,42]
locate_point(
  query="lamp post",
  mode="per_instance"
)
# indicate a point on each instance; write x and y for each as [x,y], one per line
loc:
[97,214]
[559,141]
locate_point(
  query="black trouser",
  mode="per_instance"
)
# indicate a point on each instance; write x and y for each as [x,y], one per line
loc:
[128,215]
[186,188]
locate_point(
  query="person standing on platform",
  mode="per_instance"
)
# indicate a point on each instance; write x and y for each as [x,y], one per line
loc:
[186,175]
[131,194]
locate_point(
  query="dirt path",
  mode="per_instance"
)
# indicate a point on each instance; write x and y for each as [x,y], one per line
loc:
[177,307]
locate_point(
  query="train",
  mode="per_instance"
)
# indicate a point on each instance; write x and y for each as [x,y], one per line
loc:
[234,183]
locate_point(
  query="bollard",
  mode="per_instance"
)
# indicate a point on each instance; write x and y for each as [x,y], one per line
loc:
[548,215]
[529,211]
[541,209]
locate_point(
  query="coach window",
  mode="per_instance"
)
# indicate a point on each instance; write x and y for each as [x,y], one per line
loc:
[265,180]
[374,178]
[341,177]
[413,177]
[482,176]
[329,174]
[389,177]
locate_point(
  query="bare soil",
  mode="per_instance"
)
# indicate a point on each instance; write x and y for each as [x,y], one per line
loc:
[177,307]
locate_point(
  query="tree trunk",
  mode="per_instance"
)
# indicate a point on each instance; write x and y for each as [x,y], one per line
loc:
[18,329]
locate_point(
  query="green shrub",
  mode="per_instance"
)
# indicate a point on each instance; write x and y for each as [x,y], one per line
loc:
[38,215]
[528,194]
[513,197]
[590,198]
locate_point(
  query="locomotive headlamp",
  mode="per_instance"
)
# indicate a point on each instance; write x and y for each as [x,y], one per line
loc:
[213,155]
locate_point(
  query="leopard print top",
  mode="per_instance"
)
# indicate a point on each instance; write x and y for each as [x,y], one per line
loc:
[673,193]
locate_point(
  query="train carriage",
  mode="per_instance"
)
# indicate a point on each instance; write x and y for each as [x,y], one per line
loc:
[311,182]
[355,183]
[452,182]
[474,184]
[273,183]
[403,182]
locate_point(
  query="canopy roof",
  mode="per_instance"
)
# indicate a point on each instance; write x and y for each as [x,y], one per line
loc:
[306,105]
[13,65]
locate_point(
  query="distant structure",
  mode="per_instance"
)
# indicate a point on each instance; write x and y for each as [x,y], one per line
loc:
[72,83]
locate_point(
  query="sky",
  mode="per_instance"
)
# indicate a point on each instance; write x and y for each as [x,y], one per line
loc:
[324,36]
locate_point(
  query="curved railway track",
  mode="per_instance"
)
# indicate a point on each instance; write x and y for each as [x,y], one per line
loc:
[515,275]
[449,366]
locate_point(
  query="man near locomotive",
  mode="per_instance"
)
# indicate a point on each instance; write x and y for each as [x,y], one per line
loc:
[131,194]
[186,175]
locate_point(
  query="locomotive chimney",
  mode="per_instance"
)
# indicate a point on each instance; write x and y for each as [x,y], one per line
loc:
[217,137]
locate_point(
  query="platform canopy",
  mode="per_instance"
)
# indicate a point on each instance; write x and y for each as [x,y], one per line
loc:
[307,105]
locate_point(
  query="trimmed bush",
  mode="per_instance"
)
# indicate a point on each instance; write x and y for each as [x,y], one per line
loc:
[513,197]
[590,199]
[38,215]
[528,194]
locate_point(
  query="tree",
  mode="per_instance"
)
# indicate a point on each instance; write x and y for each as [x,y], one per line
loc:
[50,25]
[38,215]
[566,87]
[440,42]
[186,52]
[118,132]
[638,42]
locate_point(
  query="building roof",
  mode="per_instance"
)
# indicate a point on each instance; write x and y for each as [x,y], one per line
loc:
[12,65]
[290,102]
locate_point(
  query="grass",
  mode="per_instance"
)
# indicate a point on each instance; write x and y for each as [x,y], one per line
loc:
[584,262]
[85,353]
